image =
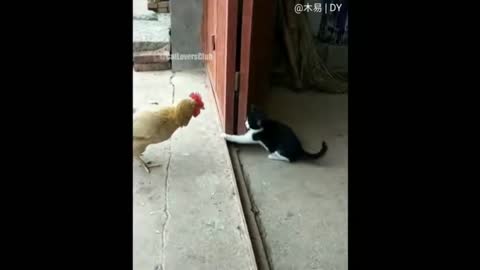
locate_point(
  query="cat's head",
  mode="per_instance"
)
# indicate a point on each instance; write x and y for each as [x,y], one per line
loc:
[255,118]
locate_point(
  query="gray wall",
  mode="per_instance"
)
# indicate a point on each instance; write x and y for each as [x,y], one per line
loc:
[186,16]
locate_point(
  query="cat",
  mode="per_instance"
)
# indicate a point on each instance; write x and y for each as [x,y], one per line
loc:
[277,138]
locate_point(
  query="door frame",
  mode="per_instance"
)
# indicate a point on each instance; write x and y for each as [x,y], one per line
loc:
[255,55]
[230,64]
[257,35]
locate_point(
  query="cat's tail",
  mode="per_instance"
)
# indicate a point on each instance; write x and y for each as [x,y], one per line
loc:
[317,155]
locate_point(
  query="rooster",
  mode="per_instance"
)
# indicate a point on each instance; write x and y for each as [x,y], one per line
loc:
[155,124]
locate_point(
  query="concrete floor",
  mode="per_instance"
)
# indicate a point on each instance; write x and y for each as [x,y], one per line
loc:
[150,30]
[187,214]
[303,207]
[140,7]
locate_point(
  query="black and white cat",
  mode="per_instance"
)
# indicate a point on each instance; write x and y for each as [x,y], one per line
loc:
[277,138]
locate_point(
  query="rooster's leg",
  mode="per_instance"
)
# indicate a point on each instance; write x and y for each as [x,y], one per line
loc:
[153,166]
[146,165]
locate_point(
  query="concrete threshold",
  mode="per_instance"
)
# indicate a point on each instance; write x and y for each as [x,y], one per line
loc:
[251,211]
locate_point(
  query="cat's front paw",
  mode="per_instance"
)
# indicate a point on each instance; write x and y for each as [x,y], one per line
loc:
[223,135]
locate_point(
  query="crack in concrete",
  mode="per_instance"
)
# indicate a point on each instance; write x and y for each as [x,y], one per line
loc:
[165,210]
[173,86]
[167,174]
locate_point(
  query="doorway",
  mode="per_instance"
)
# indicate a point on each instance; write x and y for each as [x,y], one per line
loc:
[239,35]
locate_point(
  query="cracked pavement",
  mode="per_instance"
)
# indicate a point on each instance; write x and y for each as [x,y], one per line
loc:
[187,213]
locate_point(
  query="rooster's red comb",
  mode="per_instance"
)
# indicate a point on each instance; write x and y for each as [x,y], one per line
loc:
[198,99]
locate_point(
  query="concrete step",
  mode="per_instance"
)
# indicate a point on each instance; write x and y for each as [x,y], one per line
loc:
[152,60]
[143,67]
[146,15]
[149,35]
[157,56]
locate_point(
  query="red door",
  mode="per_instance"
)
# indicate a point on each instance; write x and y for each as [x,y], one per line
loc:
[220,40]
[208,36]
[258,20]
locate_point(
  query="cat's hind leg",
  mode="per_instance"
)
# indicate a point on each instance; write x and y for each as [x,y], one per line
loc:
[277,156]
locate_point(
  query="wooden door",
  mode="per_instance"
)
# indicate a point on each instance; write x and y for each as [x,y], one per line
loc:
[257,35]
[252,60]
[219,38]
[208,36]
